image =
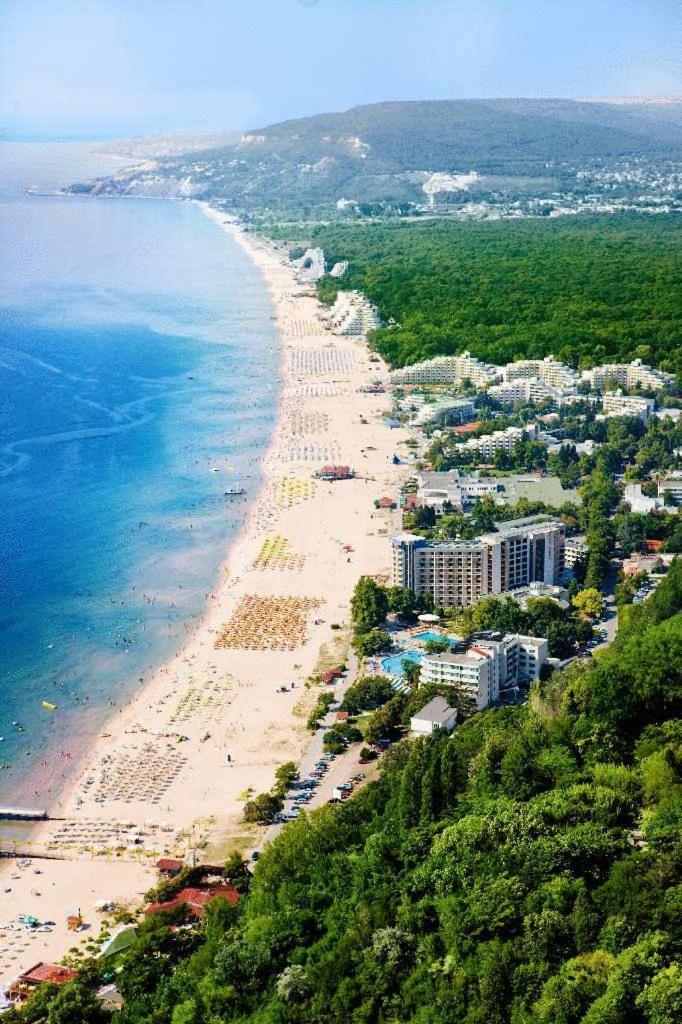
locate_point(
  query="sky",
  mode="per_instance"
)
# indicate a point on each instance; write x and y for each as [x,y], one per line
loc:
[120,67]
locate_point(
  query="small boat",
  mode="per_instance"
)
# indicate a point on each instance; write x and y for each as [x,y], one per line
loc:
[50,707]
[235,490]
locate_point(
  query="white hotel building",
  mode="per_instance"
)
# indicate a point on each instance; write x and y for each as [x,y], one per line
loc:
[492,663]
[615,403]
[629,375]
[456,574]
[447,370]
[547,370]
[500,440]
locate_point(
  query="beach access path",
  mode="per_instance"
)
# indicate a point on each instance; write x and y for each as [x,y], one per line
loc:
[170,772]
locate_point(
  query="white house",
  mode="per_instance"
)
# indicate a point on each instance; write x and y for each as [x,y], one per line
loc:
[437,714]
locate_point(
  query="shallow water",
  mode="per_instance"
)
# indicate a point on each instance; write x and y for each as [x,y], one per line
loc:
[138,381]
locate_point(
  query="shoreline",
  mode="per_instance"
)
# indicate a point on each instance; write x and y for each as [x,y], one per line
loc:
[168,773]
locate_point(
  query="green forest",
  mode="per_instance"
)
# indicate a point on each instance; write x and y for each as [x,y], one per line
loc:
[527,870]
[585,289]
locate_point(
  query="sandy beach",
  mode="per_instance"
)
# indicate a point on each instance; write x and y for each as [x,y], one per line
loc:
[170,771]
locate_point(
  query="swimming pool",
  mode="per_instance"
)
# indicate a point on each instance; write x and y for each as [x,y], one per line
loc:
[394,665]
[430,635]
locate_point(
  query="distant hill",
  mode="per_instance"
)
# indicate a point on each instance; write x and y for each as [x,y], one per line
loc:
[386,151]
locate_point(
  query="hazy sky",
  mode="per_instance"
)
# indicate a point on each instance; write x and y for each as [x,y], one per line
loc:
[131,66]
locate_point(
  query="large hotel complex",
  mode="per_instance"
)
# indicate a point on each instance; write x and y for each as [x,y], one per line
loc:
[456,574]
[542,377]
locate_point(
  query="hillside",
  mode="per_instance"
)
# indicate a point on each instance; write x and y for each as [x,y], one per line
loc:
[386,152]
[526,871]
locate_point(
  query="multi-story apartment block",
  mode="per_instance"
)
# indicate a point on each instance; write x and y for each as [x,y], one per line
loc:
[351,314]
[447,370]
[527,389]
[311,265]
[615,403]
[500,440]
[575,549]
[445,411]
[670,490]
[548,370]
[629,375]
[456,574]
[492,662]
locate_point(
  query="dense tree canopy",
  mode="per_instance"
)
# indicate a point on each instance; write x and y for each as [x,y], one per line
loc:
[526,870]
[588,290]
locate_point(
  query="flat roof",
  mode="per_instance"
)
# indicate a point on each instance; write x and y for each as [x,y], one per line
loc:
[454,659]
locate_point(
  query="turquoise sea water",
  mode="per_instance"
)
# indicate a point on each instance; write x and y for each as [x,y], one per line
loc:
[137,356]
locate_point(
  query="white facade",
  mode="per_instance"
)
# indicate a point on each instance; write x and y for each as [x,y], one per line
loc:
[437,489]
[446,410]
[547,370]
[640,502]
[574,550]
[447,370]
[671,487]
[457,573]
[351,315]
[310,266]
[435,715]
[500,440]
[629,375]
[492,663]
[615,403]
[527,389]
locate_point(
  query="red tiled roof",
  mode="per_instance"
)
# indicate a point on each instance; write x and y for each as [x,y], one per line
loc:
[196,899]
[168,864]
[48,972]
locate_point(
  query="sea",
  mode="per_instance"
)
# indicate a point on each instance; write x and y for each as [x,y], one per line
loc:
[139,382]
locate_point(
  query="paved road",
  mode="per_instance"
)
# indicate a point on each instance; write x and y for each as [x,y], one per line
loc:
[610,620]
[341,769]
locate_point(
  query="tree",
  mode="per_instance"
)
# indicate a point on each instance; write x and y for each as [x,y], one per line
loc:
[484,513]
[292,984]
[412,673]
[285,776]
[369,605]
[366,645]
[403,602]
[75,1004]
[263,808]
[368,692]
[436,647]
[661,1000]
[589,603]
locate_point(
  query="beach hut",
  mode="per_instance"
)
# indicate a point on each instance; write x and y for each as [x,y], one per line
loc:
[195,899]
[169,866]
[37,975]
